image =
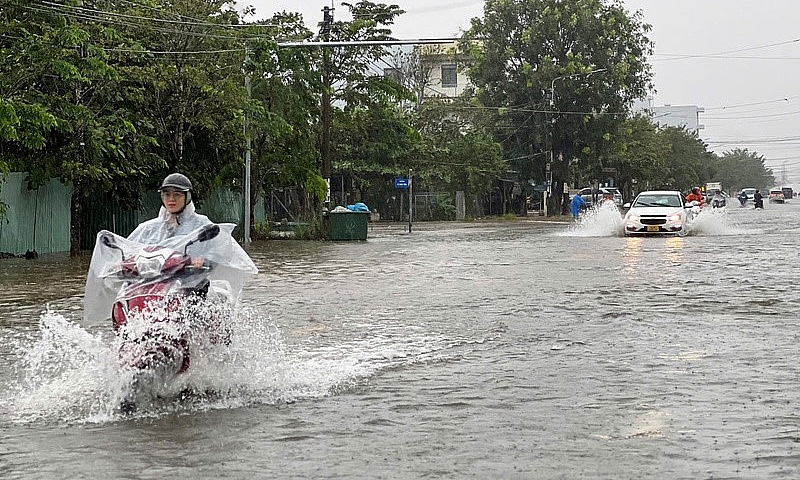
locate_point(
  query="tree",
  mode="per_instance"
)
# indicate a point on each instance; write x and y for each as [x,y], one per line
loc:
[463,152]
[185,77]
[62,118]
[639,156]
[373,138]
[741,168]
[686,158]
[284,110]
[564,72]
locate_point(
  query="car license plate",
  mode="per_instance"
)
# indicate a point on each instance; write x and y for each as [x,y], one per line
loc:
[653,228]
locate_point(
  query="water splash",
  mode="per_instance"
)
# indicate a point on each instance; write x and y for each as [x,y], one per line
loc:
[603,220]
[606,220]
[715,222]
[62,373]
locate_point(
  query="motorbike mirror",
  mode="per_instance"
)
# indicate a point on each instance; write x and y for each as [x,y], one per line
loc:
[107,239]
[207,233]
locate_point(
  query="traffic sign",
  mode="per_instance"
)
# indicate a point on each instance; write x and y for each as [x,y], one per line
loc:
[400,183]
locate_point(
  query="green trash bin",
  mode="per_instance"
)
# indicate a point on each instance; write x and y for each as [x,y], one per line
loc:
[347,225]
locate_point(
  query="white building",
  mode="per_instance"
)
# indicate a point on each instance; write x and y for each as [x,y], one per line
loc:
[673,115]
[444,65]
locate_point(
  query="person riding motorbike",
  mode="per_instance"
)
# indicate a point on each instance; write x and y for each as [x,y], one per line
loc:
[742,198]
[718,200]
[695,195]
[177,216]
[758,199]
[607,197]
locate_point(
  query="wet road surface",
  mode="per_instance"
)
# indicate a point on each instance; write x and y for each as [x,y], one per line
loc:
[520,349]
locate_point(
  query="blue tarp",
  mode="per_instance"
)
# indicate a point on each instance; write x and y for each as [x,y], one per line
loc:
[358,207]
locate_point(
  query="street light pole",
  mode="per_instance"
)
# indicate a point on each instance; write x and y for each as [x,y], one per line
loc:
[548,170]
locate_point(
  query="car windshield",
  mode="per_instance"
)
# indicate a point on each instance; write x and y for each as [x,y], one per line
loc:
[657,201]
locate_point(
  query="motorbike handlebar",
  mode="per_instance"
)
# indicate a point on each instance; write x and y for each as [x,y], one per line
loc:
[128,269]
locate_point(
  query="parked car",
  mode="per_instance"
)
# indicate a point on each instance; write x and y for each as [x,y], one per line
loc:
[593,195]
[776,196]
[658,212]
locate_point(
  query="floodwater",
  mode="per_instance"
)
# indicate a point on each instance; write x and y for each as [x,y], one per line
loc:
[525,349]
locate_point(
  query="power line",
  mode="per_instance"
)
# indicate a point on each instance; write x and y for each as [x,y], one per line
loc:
[727,52]
[739,105]
[747,117]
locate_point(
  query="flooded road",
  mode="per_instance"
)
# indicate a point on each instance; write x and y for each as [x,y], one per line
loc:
[520,349]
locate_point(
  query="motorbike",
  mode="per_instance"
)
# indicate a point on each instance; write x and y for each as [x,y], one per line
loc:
[165,301]
[742,200]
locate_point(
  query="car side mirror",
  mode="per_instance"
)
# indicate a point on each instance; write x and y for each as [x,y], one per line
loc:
[626,205]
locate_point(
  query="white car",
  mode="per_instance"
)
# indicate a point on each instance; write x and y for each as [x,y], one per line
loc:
[658,212]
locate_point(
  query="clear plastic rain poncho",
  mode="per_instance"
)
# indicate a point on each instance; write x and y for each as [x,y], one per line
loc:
[167,225]
[230,264]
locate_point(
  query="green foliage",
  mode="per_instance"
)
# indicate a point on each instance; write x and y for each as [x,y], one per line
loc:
[261,230]
[462,154]
[740,168]
[646,157]
[686,158]
[560,75]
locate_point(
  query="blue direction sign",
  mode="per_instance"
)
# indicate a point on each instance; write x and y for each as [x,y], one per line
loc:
[400,183]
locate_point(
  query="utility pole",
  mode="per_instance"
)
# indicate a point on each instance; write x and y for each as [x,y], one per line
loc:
[246,223]
[325,114]
[410,197]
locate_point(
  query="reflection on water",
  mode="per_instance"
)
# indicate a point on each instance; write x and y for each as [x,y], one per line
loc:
[632,254]
[673,254]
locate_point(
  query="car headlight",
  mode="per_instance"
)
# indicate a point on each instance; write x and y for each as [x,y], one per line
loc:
[632,218]
[675,217]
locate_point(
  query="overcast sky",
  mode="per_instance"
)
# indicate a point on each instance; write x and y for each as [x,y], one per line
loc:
[738,59]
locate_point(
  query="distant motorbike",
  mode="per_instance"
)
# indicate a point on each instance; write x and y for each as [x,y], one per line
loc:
[162,305]
[717,201]
[742,200]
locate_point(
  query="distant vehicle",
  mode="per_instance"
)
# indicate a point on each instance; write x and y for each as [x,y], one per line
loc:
[711,188]
[658,212]
[776,196]
[788,193]
[717,200]
[749,192]
[592,195]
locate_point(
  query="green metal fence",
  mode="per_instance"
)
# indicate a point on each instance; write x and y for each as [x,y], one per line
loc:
[34,220]
[40,219]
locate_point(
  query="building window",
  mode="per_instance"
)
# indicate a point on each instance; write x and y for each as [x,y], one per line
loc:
[394,74]
[449,78]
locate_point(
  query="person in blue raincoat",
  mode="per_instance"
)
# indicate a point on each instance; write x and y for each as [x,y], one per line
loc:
[577,206]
